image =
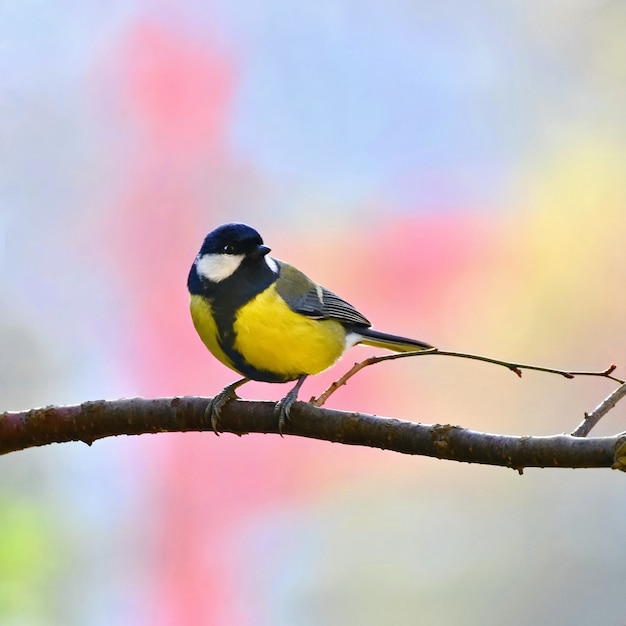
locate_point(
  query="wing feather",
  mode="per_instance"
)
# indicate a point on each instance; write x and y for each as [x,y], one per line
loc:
[307,298]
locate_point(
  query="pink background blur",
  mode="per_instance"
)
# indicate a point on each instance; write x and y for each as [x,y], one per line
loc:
[455,170]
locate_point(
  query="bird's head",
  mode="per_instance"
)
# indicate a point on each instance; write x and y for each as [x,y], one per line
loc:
[226,248]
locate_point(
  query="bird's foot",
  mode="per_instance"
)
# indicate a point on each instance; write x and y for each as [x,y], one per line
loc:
[283,407]
[214,408]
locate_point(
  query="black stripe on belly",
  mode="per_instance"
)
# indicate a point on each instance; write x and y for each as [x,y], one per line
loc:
[226,298]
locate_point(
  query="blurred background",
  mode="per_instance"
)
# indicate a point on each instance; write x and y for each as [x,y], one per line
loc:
[453,169]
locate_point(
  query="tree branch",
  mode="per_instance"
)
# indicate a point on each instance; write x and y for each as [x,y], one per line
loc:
[591,419]
[90,421]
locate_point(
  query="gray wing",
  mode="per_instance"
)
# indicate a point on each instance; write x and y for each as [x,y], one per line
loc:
[306,297]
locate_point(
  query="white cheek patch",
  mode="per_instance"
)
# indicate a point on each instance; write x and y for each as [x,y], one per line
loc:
[271,263]
[218,267]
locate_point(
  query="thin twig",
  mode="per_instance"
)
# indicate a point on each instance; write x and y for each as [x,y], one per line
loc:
[591,419]
[514,367]
[319,401]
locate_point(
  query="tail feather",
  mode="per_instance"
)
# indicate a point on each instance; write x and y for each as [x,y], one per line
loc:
[395,343]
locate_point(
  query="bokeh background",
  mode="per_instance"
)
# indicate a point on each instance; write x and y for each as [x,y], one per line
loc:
[454,169]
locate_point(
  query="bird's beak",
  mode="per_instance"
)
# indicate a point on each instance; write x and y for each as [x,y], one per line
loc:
[261,250]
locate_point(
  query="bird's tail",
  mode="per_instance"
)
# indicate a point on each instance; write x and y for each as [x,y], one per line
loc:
[395,343]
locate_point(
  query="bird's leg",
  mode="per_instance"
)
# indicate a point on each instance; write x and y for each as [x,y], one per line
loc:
[282,408]
[227,394]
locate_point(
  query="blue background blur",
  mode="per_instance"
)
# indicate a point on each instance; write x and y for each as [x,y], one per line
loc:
[453,169]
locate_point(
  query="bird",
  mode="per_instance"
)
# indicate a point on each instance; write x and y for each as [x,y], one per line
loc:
[269,322]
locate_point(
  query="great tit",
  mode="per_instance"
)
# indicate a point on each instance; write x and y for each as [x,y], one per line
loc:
[269,322]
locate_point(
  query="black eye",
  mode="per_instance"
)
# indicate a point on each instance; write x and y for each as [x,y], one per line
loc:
[228,249]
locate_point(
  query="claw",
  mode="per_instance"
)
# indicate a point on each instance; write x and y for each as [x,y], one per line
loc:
[283,407]
[214,408]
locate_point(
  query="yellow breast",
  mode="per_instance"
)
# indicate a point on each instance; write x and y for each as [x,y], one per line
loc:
[272,337]
[205,326]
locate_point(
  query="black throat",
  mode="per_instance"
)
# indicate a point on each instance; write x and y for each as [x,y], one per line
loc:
[251,278]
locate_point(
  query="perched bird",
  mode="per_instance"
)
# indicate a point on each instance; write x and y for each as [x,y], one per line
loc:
[266,320]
